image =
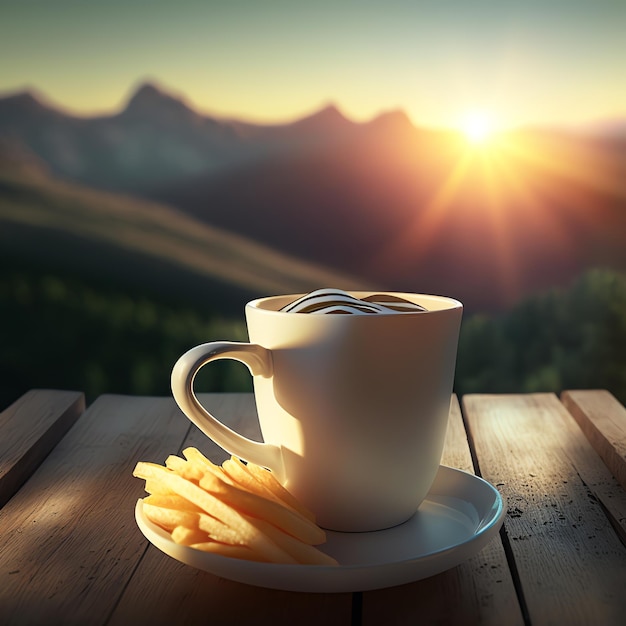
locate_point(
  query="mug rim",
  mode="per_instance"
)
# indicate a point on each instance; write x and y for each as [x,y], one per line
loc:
[448,303]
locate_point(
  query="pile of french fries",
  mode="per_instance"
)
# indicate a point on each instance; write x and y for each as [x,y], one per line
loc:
[236,510]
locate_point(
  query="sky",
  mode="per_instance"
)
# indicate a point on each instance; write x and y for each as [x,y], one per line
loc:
[522,62]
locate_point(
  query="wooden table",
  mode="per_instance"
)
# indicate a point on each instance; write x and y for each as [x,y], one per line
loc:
[71,553]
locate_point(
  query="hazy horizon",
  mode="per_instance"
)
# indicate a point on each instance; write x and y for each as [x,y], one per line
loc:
[46,100]
[540,63]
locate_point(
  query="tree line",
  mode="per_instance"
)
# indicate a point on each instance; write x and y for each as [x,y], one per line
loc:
[62,332]
[573,338]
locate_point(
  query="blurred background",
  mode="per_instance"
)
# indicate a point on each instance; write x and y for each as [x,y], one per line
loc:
[163,163]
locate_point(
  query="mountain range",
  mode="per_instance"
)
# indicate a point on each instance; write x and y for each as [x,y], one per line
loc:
[155,138]
[394,205]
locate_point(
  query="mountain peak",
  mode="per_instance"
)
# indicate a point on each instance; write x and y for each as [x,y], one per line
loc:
[27,99]
[328,118]
[147,90]
[151,99]
[329,113]
[395,119]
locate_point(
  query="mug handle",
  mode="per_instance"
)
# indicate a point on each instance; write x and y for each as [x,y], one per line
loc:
[259,361]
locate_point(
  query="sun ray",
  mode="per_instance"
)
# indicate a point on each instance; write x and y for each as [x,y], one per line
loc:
[532,213]
[565,158]
[509,209]
[501,227]
[427,221]
[561,182]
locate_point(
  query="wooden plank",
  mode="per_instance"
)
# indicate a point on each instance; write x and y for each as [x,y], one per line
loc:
[30,428]
[69,542]
[479,591]
[570,561]
[163,591]
[603,420]
[456,452]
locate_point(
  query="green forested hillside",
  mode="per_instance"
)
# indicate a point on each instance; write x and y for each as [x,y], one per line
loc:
[141,246]
[60,332]
[562,339]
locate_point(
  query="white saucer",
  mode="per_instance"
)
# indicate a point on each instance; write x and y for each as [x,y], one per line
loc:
[457,519]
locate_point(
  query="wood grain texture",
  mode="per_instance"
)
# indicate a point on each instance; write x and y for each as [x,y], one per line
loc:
[570,561]
[163,591]
[603,420]
[71,553]
[479,591]
[30,428]
[69,541]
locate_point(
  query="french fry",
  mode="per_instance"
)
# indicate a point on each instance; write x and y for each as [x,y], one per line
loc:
[155,487]
[184,468]
[256,506]
[197,459]
[218,531]
[209,526]
[193,454]
[233,552]
[169,518]
[269,480]
[235,510]
[249,534]
[241,477]
[303,553]
[171,501]
[188,536]
[175,463]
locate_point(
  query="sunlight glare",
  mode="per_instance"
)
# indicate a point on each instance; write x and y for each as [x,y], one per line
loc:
[478,127]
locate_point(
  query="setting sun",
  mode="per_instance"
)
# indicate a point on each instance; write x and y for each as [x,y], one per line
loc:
[478,127]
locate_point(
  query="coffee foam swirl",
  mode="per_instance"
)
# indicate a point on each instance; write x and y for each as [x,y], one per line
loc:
[333,301]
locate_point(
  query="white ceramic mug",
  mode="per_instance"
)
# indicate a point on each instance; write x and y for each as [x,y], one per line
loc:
[353,408]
